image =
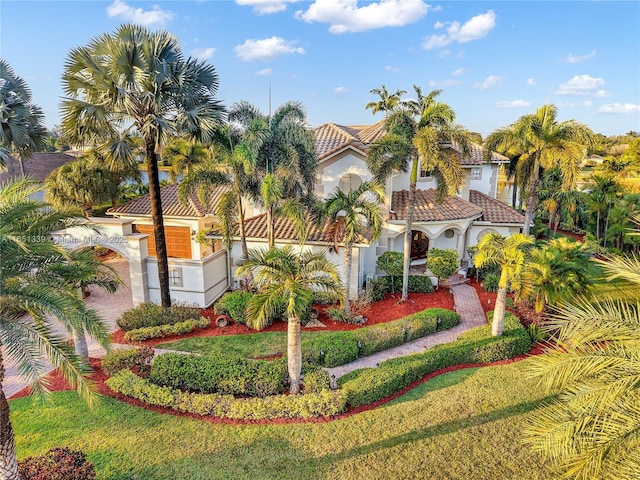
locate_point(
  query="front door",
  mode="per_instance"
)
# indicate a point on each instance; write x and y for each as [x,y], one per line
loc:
[419,245]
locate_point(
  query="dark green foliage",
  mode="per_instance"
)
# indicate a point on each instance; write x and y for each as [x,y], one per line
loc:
[315,381]
[138,359]
[442,263]
[57,464]
[228,374]
[391,263]
[323,404]
[420,284]
[180,328]
[342,347]
[151,315]
[417,284]
[490,282]
[234,304]
[368,385]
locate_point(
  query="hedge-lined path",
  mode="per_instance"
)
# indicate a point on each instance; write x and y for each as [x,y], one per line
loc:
[466,303]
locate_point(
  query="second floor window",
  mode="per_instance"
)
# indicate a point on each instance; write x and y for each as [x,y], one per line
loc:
[476,173]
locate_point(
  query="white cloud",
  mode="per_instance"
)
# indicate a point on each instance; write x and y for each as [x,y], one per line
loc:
[571,58]
[345,16]
[265,71]
[203,53]
[457,72]
[601,94]
[586,103]
[389,68]
[489,82]
[155,16]
[266,49]
[580,85]
[531,82]
[341,90]
[266,7]
[476,28]
[620,108]
[513,104]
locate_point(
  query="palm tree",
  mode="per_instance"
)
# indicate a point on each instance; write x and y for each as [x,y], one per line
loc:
[22,127]
[416,133]
[183,156]
[590,428]
[542,141]
[350,217]
[285,158]
[26,285]
[509,254]
[285,277]
[603,192]
[387,103]
[138,80]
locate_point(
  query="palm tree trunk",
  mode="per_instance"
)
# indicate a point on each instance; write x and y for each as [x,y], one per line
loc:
[532,197]
[413,180]
[271,238]
[514,193]
[498,312]
[348,255]
[158,222]
[80,345]
[8,462]
[294,354]
[241,228]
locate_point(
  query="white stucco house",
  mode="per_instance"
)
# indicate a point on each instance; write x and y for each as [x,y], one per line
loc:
[200,274]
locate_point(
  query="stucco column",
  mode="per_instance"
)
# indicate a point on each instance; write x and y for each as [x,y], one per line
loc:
[461,245]
[139,281]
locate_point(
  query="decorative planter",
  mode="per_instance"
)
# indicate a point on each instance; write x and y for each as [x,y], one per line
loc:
[222,320]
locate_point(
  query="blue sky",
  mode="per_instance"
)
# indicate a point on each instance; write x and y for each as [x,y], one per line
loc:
[495,61]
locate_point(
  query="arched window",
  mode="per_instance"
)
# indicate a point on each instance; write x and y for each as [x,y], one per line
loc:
[349,182]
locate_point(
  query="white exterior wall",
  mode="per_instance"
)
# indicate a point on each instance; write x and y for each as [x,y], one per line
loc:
[330,172]
[489,181]
[476,232]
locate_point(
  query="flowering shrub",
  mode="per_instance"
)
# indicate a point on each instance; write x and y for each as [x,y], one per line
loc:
[57,464]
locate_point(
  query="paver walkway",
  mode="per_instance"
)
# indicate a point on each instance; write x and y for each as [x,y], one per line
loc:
[466,303]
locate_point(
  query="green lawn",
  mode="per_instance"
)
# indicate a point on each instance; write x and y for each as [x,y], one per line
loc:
[250,345]
[462,425]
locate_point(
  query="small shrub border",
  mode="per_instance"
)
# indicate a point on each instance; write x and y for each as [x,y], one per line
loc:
[57,463]
[337,348]
[417,284]
[225,374]
[180,328]
[149,314]
[138,359]
[368,385]
[325,403]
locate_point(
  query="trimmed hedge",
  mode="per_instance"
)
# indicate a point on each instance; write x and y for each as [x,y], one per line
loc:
[234,304]
[152,315]
[130,358]
[180,328]
[368,385]
[342,347]
[228,374]
[417,284]
[323,404]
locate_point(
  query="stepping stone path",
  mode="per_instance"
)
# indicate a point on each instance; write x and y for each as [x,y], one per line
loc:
[466,303]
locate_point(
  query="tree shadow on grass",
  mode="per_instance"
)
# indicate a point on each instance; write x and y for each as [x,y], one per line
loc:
[444,380]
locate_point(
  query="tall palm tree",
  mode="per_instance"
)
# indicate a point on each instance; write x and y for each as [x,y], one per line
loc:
[283,276]
[350,216]
[22,129]
[508,253]
[285,158]
[138,80]
[590,428]
[26,285]
[184,156]
[388,101]
[603,192]
[542,141]
[416,133]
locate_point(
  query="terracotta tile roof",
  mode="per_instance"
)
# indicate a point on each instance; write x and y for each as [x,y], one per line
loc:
[331,137]
[427,210]
[256,228]
[171,206]
[494,211]
[39,166]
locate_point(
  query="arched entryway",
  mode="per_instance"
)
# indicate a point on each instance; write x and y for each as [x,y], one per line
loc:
[419,245]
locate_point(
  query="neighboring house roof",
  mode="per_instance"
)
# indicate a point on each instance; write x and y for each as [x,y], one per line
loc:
[331,138]
[38,166]
[494,211]
[171,205]
[428,210]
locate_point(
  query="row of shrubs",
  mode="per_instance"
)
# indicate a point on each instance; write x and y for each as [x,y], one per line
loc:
[325,403]
[137,359]
[152,315]
[234,304]
[338,348]
[227,374]
[383,285]
[368,385]
[180,328]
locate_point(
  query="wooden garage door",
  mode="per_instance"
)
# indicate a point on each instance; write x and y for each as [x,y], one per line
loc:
[178,240]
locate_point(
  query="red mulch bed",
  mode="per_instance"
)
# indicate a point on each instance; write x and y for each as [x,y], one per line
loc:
[57,383]
[378,312]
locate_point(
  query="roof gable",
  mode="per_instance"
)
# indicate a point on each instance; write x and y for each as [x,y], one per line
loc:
[427,209]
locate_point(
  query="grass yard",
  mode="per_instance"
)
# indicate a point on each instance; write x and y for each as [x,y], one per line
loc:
[252,345]
[461,425]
